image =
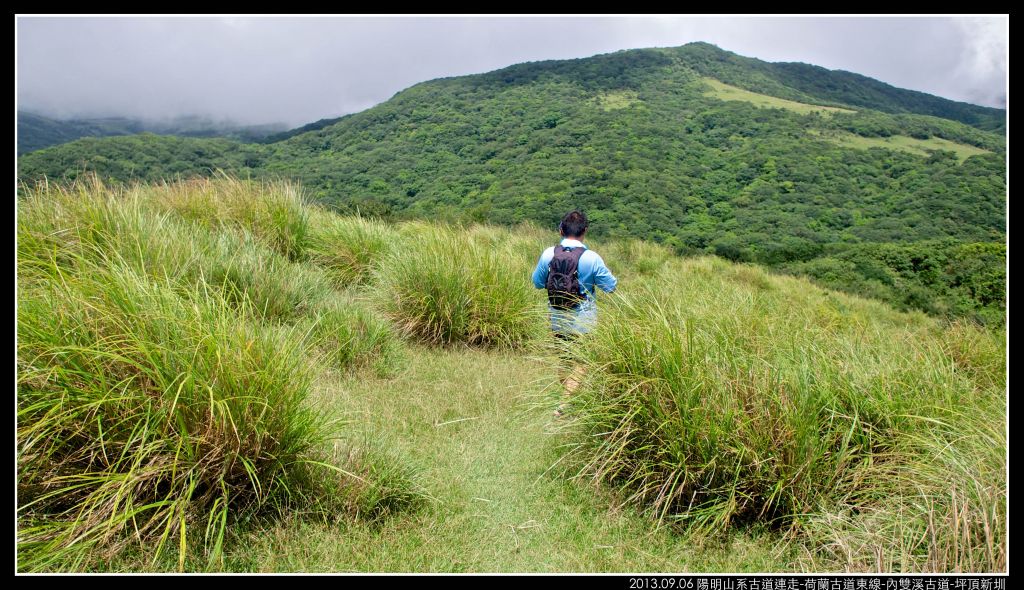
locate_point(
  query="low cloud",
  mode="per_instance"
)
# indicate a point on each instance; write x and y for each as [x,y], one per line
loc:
[297,70]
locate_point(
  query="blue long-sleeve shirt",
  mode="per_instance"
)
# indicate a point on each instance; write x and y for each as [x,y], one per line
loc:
[593,273]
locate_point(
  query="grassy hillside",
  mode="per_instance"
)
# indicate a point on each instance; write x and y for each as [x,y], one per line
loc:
[724,91]
[217,375]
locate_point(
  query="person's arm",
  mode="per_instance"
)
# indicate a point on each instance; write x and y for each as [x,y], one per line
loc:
[540,274]
[603,277]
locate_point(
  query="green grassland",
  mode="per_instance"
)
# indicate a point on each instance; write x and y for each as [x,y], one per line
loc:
[911,145]
[724,91]
[216,375]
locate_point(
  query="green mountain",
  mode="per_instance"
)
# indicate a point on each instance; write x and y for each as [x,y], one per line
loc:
[36,131]
[879,191]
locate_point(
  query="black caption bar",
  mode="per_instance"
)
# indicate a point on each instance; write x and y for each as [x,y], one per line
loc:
[817,582]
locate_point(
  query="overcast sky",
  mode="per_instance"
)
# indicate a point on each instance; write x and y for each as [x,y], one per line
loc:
[297,70]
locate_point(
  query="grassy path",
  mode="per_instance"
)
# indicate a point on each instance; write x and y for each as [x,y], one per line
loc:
[463,415]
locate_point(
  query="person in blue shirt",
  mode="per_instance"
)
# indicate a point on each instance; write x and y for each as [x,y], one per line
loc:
[593,273]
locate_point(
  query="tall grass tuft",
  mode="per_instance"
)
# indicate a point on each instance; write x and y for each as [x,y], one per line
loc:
[384,483]
[940,506]
[940,503]
[88,221]
[347,247]
[443,286]
[726,397]
[274,212]
[351,336]
[143,414]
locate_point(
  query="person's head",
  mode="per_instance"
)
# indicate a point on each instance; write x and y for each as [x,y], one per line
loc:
[573,225]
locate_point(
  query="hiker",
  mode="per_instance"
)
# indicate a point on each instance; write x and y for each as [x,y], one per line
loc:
[570,271]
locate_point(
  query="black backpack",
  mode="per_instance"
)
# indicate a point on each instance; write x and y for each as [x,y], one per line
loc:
[563,282]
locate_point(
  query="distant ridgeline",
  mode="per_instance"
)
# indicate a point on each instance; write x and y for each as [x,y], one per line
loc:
[865,187]
[36,131]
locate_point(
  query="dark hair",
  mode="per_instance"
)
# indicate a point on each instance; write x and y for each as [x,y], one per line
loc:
[573,224]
